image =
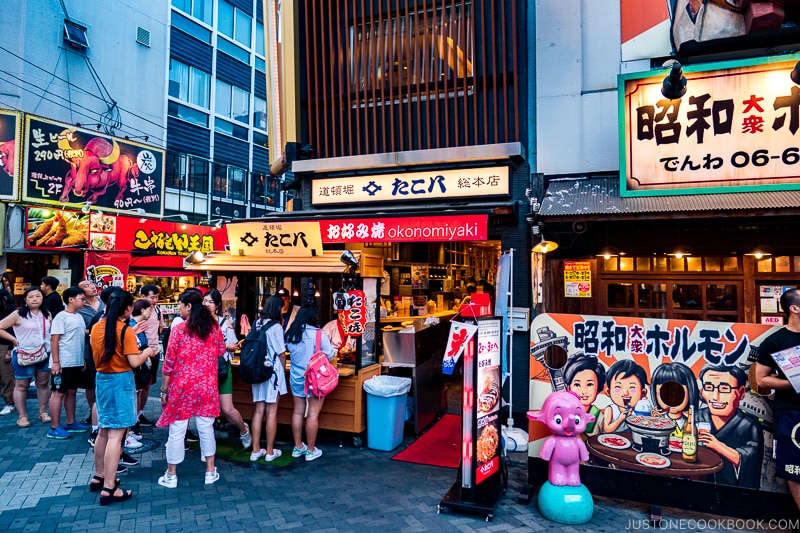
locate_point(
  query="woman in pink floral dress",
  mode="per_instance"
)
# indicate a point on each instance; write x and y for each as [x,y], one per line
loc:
[189,385]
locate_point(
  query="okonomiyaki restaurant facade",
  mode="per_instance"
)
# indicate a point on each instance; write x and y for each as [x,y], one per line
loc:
[669,275]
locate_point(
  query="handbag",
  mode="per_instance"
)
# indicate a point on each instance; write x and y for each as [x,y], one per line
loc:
[26,358]
[222,369]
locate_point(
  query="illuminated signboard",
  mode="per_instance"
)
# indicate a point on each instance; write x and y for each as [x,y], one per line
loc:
[275,239]
[64,164]
[412,186]
[405,229]
[10,141]
[735,129]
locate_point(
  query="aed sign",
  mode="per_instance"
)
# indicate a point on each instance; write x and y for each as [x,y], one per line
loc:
[735,129]
[410,186]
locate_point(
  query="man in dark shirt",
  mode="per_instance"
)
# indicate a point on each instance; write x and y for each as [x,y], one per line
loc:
[786,408]
[52,301]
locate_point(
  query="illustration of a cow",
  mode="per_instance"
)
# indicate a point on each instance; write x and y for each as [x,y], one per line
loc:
[8,151]
[100,166]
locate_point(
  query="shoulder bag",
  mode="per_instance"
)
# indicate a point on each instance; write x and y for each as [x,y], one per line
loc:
[26,358]
[142,377]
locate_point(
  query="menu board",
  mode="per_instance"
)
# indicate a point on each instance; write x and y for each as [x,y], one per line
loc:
[488,399]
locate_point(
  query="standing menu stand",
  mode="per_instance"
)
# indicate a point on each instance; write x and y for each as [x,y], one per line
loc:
[478,485]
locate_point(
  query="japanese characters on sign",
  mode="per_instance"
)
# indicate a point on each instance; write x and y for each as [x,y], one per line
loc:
[107,269]
[577,279]
[461,183]
[405,229]
[275,239]
[64,164]
[487,399]
[734,127]
[620,366]
[10,141]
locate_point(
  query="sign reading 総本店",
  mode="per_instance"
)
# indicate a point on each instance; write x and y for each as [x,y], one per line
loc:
[433,185]
[266,239]
[735,129]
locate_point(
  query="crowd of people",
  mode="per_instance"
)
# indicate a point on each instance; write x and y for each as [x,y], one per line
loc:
[108,345]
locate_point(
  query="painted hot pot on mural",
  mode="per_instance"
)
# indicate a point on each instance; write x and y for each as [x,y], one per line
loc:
[650,433]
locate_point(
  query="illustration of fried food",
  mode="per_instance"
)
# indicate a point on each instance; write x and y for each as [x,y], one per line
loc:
[55,238]
[487,444]
[490,393]
[41,230]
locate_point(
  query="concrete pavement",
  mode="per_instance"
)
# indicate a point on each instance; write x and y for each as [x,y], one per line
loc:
[43,488]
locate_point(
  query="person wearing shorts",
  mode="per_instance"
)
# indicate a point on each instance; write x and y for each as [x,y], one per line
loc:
[786,408]
[67,344]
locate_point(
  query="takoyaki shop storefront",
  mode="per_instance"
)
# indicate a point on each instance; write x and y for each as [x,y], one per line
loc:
[673,419]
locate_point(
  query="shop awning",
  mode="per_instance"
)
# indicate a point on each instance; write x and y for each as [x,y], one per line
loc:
[327,263]
[162,272]
[598,197]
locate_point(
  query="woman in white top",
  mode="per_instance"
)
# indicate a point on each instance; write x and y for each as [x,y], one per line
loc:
[31,323]
[213,302]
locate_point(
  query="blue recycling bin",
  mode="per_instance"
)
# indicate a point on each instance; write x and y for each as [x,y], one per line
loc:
[386,409]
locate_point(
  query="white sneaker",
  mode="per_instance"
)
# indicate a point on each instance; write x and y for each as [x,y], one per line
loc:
[7,410]
[212,477]
[272,456]
[135,436]
[316,454]
[132,443]
[168,480]
[299,452]
[247,438]
[255,456]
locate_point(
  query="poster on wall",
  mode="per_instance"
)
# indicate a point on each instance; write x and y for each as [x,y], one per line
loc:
[107,269]
[65,164]
[419,276]
[640,377]
[10,140]
[577,279]
[55,229]
[64,277]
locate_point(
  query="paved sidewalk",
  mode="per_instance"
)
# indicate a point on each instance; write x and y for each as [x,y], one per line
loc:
[43,488]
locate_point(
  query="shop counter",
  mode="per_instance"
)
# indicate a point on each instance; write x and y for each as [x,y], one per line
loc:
[344,409]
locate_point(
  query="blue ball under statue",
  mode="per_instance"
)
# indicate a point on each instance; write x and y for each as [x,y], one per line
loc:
[563,498]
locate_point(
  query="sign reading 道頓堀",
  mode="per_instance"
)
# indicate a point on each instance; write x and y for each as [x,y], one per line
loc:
[735,129]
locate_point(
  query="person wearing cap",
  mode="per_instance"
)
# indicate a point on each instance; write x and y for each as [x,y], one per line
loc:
[289,311]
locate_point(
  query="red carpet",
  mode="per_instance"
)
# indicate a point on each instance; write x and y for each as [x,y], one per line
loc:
[439,446]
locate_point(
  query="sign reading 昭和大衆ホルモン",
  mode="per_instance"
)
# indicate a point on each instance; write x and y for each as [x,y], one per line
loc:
[434,185]
[735,128]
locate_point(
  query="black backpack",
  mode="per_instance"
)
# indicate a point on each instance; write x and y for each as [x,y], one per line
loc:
[253,354]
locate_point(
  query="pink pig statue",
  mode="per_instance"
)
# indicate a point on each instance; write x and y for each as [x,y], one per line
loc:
[563,414]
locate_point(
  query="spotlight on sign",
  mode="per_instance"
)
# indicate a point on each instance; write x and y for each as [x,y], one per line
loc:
[674,85]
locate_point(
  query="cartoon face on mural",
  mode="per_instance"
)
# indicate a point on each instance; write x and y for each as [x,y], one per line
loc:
[639,377]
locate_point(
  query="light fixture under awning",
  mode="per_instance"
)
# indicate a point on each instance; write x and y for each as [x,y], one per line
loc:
[326,263]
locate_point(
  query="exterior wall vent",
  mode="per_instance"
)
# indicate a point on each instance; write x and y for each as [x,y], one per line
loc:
[143,36]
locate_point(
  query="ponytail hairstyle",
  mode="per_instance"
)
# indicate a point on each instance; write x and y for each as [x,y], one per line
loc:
[118,302]
[306,316]
[200,323]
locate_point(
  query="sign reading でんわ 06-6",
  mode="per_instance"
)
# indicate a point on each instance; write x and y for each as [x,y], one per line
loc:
[65,164]
[735,129]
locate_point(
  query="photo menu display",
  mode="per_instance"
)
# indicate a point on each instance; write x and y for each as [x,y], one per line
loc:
[488,387]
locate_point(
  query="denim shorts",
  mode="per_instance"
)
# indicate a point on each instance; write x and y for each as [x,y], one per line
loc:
[28,372]
[116,400]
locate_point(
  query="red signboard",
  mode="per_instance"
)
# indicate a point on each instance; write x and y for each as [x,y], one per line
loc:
[405,229]
[107,269]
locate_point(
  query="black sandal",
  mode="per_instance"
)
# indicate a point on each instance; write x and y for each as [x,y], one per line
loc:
[109,497]
[96,483]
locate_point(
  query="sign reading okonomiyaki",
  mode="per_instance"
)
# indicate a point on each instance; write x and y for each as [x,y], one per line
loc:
[64,164]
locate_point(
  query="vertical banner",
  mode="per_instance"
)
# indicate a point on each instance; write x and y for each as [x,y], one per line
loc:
[459,337]
[106,269]
[487,399]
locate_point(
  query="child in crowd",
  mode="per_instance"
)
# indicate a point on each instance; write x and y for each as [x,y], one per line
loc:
[627,387]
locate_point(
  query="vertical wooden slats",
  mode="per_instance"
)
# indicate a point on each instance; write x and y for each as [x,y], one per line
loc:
[359,101]
[515,69]
[348,65]
[425,75]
